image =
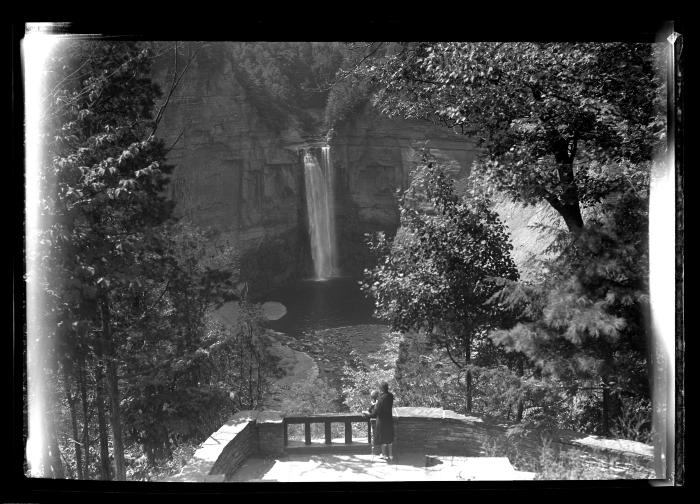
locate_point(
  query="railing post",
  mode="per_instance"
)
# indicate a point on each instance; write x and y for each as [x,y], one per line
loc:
[307,433]
[348,432]
[328,432]
[369,431]
[286,434]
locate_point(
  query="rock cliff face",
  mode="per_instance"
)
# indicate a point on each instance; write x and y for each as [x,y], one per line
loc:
[240,176]
[232,173]
[373,157]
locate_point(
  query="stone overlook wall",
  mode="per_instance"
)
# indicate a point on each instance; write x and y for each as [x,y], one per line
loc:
[444,432]
[245,434]
[433,431]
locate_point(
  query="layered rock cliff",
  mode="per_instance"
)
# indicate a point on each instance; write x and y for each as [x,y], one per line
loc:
[232,173]
[244,178]
[373,157]
[243,175]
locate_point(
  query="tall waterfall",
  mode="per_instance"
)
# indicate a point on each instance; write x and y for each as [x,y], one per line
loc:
[326,151]
[320,209]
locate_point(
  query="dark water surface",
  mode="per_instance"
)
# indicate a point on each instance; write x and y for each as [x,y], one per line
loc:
[323,304]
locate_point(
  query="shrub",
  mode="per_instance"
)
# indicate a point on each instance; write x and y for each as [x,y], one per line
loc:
[361,377]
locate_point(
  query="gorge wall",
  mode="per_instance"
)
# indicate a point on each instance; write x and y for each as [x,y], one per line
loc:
[231,172]
[374,156]
[242,176]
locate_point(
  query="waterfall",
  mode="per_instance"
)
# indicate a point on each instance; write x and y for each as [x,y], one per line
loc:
[326,151]
[319,203]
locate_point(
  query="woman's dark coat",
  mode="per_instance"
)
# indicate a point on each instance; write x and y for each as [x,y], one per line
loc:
[384,430]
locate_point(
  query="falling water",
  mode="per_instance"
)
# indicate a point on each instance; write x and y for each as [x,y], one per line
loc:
[320,210]
[326,150]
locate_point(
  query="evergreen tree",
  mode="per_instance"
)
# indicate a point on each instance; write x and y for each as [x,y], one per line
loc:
[102,197]
[584,323]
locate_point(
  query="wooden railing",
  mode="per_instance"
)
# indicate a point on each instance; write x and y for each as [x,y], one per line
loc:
[327,419]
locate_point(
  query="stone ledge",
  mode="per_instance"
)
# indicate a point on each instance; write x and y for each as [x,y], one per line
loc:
[200,467]
[437,413]
[270,417]
[618,446]
[437,430]
[446,430]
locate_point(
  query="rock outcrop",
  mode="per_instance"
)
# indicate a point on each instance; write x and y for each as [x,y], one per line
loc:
[232,173]
[243,177]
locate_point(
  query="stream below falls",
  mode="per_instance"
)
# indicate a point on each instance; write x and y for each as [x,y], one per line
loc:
[324,320]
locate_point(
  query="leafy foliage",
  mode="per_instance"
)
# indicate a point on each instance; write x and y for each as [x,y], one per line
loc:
[426,377]
[285,80]
[345,98]
[310,397]
[128,293]
[362,376]
[549,115]
[574,125]
[441,269]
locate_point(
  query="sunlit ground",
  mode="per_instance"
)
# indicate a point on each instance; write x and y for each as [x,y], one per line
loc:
[367,467]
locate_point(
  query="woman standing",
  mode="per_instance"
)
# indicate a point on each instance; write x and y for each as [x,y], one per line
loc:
[382,411]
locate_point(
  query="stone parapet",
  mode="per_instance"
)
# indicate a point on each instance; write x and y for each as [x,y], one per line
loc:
[449,433]
[431,430]
[270,430]
[223,452]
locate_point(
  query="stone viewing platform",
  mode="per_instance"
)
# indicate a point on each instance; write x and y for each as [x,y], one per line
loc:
[429,444]
[358,467]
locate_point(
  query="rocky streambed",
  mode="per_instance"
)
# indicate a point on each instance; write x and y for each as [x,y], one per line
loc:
[323,354]
[311,354]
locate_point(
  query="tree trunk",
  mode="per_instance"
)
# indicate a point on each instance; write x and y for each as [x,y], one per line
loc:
[469,391]
[259,381]
[250,380]
[113,391]
[606,410]
[241,361]
[86,420]
[611,400]
[74,425]
[115,419]
[611,407]
[150,454]
[467,361]
[521,400]
[105,469]
[572,218]
[55,452]
[567,205]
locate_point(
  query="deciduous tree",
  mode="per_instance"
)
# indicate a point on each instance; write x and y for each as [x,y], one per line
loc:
[438,273]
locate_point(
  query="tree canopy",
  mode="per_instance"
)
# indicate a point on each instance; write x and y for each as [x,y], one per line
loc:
[126,291]
[575,125]
[549,116]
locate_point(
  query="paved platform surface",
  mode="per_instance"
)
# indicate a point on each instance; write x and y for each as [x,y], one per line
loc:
[365,467]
